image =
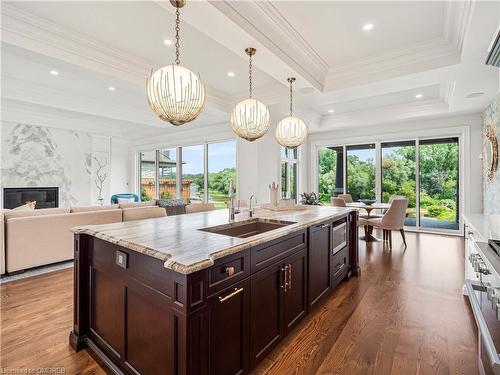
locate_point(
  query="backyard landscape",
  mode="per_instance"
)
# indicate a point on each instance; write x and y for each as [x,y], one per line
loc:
[438,176]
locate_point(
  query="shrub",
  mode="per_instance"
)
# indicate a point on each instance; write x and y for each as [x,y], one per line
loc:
[435,210]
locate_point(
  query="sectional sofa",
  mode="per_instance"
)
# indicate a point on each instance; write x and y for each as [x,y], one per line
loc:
[35,238]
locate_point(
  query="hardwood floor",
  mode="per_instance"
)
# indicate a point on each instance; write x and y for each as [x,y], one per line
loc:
[404,315]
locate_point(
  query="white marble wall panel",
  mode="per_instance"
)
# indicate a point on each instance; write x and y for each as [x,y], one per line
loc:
[42,156]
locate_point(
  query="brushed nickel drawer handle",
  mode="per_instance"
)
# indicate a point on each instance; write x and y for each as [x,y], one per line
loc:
[322,225]
[229,271]
[231,295]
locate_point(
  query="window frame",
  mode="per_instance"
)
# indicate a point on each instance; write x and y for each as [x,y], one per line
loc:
[460,132]
[179,162]
[289,162]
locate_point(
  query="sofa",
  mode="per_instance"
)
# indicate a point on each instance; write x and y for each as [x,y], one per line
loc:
[35,238]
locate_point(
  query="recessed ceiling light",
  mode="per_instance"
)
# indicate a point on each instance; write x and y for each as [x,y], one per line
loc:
[418,96]
[168,42]
[111,88]
[331,111]
[368,26]
[474,95]
[231,74]
[54,72]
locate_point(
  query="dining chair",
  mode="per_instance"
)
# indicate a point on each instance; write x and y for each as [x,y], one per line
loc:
[346,197]
[338,202]
[199,207]
[393,219]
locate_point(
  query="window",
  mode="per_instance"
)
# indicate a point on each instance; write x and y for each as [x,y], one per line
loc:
[425,171]
[399,174]
[181,172]
[148,175]
[193,174]
[167,173]
[289,178]
[361,171]
[221,169]
[439,183]
[331,173]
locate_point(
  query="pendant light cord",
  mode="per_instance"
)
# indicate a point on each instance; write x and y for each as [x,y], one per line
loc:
[177,37]
[250,75]
[291,98]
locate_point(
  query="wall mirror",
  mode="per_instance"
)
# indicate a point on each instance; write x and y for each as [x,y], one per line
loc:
[490,151]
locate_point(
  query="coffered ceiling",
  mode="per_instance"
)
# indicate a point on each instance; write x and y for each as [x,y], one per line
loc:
[419,59]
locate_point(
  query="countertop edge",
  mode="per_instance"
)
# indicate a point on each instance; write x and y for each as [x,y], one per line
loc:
[182,268]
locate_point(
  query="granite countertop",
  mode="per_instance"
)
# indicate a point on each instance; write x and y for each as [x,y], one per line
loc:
[185,249]
[488,226]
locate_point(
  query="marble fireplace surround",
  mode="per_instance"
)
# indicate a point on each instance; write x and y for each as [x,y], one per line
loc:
[39,156]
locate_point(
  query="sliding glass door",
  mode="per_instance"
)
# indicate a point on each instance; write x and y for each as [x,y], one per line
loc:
[330,173]
[398,175]
[439,162]
[361,171]
[425,171]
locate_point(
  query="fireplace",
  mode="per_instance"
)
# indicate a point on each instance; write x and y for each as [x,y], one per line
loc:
[45,197]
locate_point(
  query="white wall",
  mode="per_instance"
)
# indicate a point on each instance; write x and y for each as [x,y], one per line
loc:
[409,129]
[258,166]
[122,167]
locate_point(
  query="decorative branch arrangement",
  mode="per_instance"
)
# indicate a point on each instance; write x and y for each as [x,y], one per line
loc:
[100,178]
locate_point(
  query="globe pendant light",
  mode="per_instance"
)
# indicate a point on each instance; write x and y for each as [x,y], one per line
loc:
[291,132]
[250,118]
[175,93]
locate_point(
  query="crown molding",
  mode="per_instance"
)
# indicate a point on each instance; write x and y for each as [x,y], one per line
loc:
[443,51]
[30,92]
[14,110]
[383,114]
[457,18]
[42,36]
[263,21]
[413,59]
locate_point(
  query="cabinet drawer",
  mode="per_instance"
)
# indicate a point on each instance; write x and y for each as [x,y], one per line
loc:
[273,251]
[339,235]
[228,270]
[340,263]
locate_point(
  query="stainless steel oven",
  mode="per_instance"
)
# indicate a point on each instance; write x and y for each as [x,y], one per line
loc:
[483,288]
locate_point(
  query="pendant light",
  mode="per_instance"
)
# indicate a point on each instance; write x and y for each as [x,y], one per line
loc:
[175,93]
[291,132]
[250,118]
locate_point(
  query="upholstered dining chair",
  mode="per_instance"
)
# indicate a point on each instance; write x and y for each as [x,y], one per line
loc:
[199,207]
[346,197]
[393,219]
[338,202]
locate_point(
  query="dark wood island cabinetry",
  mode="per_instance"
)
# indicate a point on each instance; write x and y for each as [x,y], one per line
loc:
[140,317]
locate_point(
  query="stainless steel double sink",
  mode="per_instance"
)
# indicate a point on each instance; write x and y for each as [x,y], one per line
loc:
[248,228]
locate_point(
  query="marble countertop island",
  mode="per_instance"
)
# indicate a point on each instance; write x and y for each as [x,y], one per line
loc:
[185,248]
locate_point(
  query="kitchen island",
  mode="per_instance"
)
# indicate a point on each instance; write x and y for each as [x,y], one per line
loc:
[193,294]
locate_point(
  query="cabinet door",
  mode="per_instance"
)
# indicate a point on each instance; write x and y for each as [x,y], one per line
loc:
[295,293]
[228,313]
[266,313]
[319,261]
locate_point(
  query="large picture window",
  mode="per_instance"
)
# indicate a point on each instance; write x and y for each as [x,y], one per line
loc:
[167,173]
[147,161]
[289,179]
[425,171]
[181,172]
[221,169]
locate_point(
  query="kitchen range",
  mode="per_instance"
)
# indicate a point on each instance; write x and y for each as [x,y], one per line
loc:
[482,285]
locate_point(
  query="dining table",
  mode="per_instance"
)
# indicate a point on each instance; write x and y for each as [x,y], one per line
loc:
[369,237]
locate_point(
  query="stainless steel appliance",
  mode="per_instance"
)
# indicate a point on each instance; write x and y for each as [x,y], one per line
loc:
[482,285]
